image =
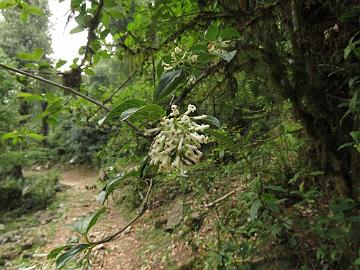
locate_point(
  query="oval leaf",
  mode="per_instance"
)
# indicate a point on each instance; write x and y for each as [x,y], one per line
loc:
[56,251]
[169,81]
[211,33]
[112,185]
[222,139]
[229,33]
[120,108]
[227,56]
[150,112]
[70,254]
[212,120]
[83,225]
[38,53]
[29,96]
[8,3]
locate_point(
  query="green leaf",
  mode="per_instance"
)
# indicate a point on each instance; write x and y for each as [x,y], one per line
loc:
[211,33]
[345,145]
[36,136]
[357,261]
[150,112]
[24,16]
[227,56]
[56,251]
[222,139]
[351,46]
[29,96]
[25,56]
[353,81]
[229,33]
[254,209]
[83,20]
[129,41]
[276,188]
[75,3]
[108,189]
[35,10]
[213,121]
[36,55]
[112,185]
[10,135]
[70,254]
[8,3]
[83,225]
[169,81]
[77,29]
[105,19]
[60,63]
[116,13]
[120,108]
[270,201]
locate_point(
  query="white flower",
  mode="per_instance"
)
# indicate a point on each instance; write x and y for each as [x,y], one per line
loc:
[191,108]
[178,142]
[148,132]
[200,117]
[202,127]
[178,50]
[168,68]
[194,58]
[165,64]
[185,119]
[177,162]
[192,80]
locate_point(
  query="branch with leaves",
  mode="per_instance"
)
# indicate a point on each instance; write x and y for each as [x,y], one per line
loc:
[71,91]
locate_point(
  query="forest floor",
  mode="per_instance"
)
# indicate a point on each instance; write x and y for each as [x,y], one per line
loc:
[147,245]
[81,182]
[76,200]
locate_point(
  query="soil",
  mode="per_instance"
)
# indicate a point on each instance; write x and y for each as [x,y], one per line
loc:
[81,191]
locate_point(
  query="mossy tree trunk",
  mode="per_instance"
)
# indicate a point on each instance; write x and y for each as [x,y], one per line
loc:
[302,45]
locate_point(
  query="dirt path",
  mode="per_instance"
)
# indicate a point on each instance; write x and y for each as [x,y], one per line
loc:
[120,253]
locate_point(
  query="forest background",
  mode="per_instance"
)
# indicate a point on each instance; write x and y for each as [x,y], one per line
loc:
[277,81]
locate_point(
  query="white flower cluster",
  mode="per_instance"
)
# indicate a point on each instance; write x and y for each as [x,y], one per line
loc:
[219,46]
[178,140]
[179,57]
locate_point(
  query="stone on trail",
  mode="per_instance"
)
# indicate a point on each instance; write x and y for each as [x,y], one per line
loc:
[175,215]
[102,175]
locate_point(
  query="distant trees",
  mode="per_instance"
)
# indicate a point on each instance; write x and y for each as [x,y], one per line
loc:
[23,33]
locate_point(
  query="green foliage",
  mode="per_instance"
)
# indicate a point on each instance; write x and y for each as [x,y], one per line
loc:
[84,225]
[33,193]
[69,255]
[169,81]
[269,83]
[36,55]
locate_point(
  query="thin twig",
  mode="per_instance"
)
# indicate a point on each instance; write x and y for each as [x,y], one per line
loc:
[120,87]
[131,222]
[209,205]
[72,91]
[211,70]
[68,89]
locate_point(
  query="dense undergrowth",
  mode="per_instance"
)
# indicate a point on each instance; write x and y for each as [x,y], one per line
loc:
[278,83]
[274,213]
[26,196]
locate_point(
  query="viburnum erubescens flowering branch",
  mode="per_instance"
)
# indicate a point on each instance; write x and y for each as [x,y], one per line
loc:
[178,141]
